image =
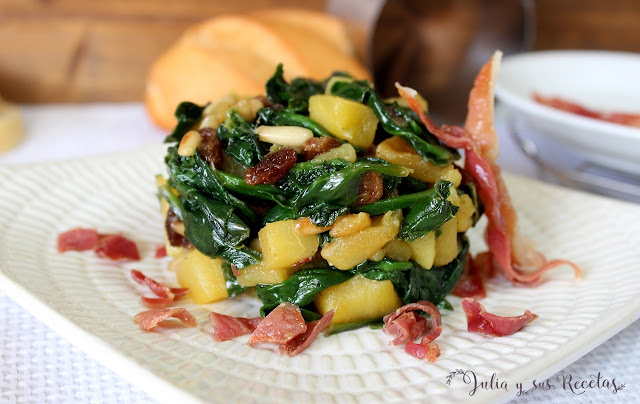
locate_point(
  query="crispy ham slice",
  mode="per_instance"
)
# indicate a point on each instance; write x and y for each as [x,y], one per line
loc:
[511,251]
[429,351]
[482,322]
[280,326]
[165,295]
[397,324]
[116,247]
[302,341]
[78,239]
[229,327]
[152,318]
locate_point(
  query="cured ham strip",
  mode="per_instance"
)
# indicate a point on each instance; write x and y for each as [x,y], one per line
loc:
[77,239]
[152,318]
[116,247]
[302,341]
[429,351]
[166,295]
[282,325]
[482,322]
[161,251]
[408,327]
[511,251]
[228,327]
[574,108]
[395,325]
[470,286]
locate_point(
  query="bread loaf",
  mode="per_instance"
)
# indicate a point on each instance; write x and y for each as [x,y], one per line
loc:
[11,128]
[238,53]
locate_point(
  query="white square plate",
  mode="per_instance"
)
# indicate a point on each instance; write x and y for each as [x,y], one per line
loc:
[92,302]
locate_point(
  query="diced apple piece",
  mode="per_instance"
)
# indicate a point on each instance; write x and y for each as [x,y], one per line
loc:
[259,273]
[203,277]
[398,250]
[465,214]
[283,247]
[423,250]
[349,251]
[345,119]
[447,243]
[395,150]
[349,224]
[358,299]
[345,152]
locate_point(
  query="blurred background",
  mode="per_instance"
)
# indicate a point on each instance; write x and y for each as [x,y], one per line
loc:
[79,50]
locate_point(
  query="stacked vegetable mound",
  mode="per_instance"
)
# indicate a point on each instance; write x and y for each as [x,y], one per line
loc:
[320,194]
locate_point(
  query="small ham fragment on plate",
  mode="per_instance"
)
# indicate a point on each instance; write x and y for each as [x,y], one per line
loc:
[228,327]
[429,351]
[282,325]
[152,318]
[161,251]
[116,247]
[77,239]
[302,341]
[403,327]
[482,322]
[166,295]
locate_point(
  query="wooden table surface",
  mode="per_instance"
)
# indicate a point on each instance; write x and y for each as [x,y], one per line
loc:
[90,50]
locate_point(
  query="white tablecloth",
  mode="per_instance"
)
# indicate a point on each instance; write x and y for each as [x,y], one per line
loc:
[40,366]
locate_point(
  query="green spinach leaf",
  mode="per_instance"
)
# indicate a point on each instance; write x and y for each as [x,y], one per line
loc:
[243,144]
[428,213]
[188,114]
[295,96]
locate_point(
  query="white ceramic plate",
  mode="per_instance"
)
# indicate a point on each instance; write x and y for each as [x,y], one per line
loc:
[92,302]
[603,81]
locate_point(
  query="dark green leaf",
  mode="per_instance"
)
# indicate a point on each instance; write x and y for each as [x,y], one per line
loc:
[428,213]
[243,143]
[188,114]
[233,288]
[172,199]
[294,96]
[195,172]
[338,328]
[261,191]
[214,229]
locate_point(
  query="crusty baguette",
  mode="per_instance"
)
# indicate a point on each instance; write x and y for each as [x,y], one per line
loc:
[191,73]
[11,128]
[328,27]
[235,53]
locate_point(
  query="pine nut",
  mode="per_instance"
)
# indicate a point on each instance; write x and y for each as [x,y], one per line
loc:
[189,143]
[305,227]
[292,136]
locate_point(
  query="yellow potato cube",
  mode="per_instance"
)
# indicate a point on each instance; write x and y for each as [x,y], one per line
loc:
[261,274]
[349,251]
[345,152]
[398,250]
[204,278]
[465,214]
[345,119]
[358,299]
[283,247]
[349,224]
[447,243]
[423,250]
[395,150]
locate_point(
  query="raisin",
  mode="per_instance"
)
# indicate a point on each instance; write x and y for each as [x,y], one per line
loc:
[175,239]
[210,147]
[318,145]
[371,188]
[272,168]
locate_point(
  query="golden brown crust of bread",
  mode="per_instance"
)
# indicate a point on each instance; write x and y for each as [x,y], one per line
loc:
[239,53]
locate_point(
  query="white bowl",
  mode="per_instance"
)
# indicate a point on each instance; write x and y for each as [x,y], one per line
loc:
[598,80]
